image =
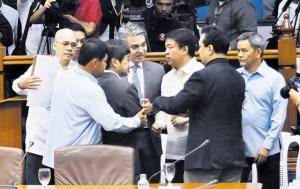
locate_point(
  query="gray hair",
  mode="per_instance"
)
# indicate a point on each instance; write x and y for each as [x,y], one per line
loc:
[130,29]
[255,40]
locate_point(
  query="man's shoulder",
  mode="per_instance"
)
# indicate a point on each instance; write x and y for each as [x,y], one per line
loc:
[152,65]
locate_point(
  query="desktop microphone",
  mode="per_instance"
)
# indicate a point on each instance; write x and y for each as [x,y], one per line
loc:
[14,174]
[211,183]
[200,146]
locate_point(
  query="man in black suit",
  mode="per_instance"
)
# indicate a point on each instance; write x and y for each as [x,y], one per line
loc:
[214,98]
[123,98]
[147,77]
[6,34]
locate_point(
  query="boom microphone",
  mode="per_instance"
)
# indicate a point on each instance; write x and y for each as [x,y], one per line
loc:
[200,146]
[14,174]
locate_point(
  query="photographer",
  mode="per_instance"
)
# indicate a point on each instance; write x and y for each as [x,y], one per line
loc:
[295,98]
[159,20]
[88,14]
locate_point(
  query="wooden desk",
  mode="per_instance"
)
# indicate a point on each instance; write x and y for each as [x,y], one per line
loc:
[183,186]
[10,122]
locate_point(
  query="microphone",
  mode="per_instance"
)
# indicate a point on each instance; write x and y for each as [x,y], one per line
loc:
[286,6]
[14,174]
[213,182]
[200,146]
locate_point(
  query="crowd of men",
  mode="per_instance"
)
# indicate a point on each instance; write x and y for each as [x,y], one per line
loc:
[107,93]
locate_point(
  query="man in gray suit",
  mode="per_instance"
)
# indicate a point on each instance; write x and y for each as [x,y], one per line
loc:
[147,77]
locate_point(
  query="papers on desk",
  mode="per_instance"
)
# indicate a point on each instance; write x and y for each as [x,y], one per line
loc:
[46,68]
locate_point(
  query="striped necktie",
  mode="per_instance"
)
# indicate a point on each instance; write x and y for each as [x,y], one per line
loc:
[136,81]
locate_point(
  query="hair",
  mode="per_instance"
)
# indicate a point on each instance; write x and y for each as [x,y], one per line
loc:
[216,37]
[92,48]
[77,27]
[256,40]
[116,49]
[184,37]
[130,29]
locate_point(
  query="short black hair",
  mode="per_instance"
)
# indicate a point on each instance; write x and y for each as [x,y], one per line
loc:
[184,37]
[92,48]
[77,27]
[116,49]
[216,37]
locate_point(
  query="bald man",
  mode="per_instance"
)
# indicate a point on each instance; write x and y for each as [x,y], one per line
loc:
[64,45]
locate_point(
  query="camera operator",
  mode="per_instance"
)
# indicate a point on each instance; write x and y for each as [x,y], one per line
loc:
[88,14]
[159,20]
[295,97]
[233,16]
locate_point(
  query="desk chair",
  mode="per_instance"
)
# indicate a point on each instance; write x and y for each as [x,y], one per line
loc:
[10,159]
[94,165]
[287,139]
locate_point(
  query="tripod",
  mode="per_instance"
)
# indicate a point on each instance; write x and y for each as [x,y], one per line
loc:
[46,35]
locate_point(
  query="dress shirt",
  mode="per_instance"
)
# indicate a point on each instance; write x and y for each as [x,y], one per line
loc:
[34,31]
[12,16]
[37,118]
[140,74]
[78,111]
[172,83]
[264,110]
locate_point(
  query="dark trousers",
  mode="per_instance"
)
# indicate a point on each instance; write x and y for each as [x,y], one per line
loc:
[178,178]
[268,172]
[33,163]
[149,160]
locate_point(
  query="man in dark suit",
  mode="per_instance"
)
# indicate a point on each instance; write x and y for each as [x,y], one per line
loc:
[214,97]
[122,96]
[147,77]
[6,34]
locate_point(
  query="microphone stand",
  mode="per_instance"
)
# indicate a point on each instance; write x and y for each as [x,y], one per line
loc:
[211,183]
[201,145]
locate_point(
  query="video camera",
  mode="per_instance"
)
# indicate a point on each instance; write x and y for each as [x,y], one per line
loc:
[54,15]
[292,83]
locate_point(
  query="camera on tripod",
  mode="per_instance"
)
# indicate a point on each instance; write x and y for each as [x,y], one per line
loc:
[54,15]
[292,83]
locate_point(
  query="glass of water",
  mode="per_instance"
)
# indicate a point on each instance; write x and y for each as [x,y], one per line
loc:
[169,170]
[44,175]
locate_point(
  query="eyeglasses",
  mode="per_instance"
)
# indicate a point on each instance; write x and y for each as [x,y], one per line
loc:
[67,43]
[166,5]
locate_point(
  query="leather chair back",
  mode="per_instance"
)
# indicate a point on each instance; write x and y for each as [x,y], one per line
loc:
[10,159]
[94,165]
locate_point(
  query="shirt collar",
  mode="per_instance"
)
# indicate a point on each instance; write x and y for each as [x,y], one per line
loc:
[140,64]
[188,66]
[109,71]
[262,70]
[84,73]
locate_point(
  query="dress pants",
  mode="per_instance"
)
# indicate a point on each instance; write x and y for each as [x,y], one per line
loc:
[33,163]
[268,172]
[149,160]
[207,175]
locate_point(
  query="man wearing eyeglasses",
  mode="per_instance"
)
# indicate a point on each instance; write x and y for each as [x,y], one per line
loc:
[159,20]
[65,45]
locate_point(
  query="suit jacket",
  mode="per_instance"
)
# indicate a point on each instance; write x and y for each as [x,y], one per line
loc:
[6,30]
[214,97]
[153,74]
[123,98]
